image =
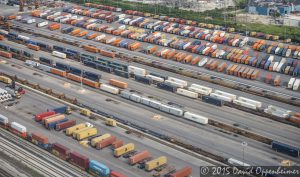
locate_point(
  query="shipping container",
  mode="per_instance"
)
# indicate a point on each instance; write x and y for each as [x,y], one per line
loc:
[105,142]
[153,164]
[109,89]
[116,174]
[123,149]
[58,72]
[94,141]
[71,130]
[212,100]
[40,116]
[166,86]
[284,148]
[60,151]
[98,169]
[139,157]
[79,160]
[196,118]
[33,47]
[187,93]
[117,144]
[86,133]
[64,125]
[117,83]
[59,54]
[186,171]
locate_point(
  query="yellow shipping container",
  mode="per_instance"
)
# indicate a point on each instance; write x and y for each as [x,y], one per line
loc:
[151,165]
[87,133]
[147,14]
[111,122]
[69,131]
[5,80]
[99,138]
[80,130]
[124,149]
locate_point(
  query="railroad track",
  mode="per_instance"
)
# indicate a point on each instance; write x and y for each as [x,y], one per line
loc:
[190,73]
[58,164]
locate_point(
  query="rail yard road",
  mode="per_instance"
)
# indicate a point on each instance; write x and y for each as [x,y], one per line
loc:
[93,90]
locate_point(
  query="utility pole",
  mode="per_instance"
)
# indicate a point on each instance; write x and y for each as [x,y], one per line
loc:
[244,145]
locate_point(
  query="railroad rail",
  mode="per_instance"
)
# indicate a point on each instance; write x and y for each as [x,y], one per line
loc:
[190,73]
[132,127]
[57,165]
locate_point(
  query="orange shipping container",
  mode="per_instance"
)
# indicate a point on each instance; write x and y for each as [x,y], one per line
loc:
[75,32]
[90,37]
[1,37]
[153,49]
[91,83]
[83,33]
[221,67]
[244,74]
[195,61]
[188,59]
[107,53]
[33,47]
[255,74]
[55,26]
[181,57]
[135,46]
[74,77]
[91,49]
[241,71]
[214,65]
[249,73]
[117,83]
[58,72]
[5,54]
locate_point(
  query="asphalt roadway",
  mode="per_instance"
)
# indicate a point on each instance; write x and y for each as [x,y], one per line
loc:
[260,125]
[206,137]
[170,63]
[33,103]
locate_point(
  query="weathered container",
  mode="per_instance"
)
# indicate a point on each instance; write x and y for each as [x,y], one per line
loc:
[117,83]
[3,121]
[139,157]
[105,142]
[64,125]
[94,141]
[117,144]
[40,116]
[62,110]
[60,151]
[74,77]
[40,138]
[98,169]
[33,47]
[70,131]
[151,165]
[53,118]
[187,93]
[123,149]
[167,87]
[186,171]
[196,118]
[79,160]
[212,100]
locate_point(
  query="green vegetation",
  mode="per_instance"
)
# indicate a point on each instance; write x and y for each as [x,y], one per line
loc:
[215,16]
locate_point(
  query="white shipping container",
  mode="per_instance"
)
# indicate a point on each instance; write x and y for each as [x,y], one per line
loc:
[196,118]
[187,93]
[135,98]
[18,127]
[202,62]
[176,111]
[257,103]
[291,83]
[174,83]
[111,40]
[57,13]
[29,21]
[221,97]
[278,109]
[279,67]
[202,87]
[137,70]
[18,17]
[219,92]
[3,119]
[3,32]
[118,10]
[45,68]
[98,38]
[245,104]
[182,82]
[25,38]
[200,91]
[288,53]
[145,101]
[32,63]
[235,162]
[42,24]
[155,78]
[155,104]
[109,89]
[296,84]
[59,54]
[275,66]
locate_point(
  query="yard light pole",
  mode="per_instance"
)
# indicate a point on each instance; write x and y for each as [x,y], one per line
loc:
[244,144]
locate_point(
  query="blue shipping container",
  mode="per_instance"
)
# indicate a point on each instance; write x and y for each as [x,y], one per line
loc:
[212,100]
[142,79]
[61,110]
[98,169]
[92,76]
[52,125]
[167,87]
[287,149]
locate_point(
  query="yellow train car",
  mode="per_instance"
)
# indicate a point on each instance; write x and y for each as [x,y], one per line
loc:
[124,149]
[74,134]
[5,80]
[69,131]
[111,122]
[87,133]
[99,138]
[151,165]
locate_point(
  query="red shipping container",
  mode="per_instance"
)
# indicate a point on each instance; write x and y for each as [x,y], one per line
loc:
[5,54]
[139,157]
[79,160]
[106,142]
[65,125]
[40,138]
[60,151]
[116,174]
[117,144]
[40,116]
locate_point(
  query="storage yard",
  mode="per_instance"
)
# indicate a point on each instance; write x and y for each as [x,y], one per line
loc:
[106,92]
